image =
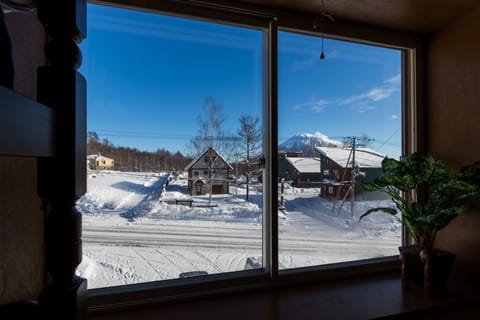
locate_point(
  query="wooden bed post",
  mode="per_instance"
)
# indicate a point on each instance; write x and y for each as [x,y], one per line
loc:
[62,179]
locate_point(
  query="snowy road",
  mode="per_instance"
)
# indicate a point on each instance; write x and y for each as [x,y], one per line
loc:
[172,236]
[130,235]
[220,238]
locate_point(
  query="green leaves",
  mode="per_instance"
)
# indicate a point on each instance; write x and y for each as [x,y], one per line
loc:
[440,192]
[383,209]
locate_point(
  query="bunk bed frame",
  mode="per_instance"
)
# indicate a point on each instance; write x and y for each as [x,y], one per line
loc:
[53,130]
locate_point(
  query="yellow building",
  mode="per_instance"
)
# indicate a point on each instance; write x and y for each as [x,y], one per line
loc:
[99,162]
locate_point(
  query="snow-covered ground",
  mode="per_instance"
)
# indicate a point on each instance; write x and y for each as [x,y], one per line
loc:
[134,232]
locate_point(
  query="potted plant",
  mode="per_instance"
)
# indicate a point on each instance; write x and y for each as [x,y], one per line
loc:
[428,197]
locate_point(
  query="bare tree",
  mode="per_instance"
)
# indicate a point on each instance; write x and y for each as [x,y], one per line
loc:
[251,134]
[211,133]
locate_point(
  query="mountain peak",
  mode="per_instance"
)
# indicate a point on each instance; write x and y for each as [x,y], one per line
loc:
[306,143]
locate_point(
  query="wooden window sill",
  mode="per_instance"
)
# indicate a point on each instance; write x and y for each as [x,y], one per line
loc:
[368,297]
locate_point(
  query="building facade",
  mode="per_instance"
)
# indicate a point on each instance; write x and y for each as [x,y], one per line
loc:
[344,169]
[99,162]
[209,172]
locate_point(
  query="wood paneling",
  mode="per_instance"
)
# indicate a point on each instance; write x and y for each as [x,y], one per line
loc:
[27,126]
[452,92]
[453,131]
[414,16]
[21,231]
[22,271]
[28,41]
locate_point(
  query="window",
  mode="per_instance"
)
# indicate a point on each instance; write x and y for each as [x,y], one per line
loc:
[347,109]
[336,175]
[162,92]
[346,106]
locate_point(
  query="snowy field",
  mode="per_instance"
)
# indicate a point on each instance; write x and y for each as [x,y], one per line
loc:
[133,231]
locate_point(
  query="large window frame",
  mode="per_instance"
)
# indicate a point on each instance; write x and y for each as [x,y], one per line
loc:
[128,296]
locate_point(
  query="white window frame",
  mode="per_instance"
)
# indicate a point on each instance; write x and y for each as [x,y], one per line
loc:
[143,294]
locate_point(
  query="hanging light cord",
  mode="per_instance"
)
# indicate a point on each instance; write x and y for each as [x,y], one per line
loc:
[319,21]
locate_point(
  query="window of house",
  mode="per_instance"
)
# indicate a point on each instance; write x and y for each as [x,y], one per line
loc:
[336,174]
[163,89]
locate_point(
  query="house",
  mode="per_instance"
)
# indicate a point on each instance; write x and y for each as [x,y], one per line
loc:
[208,171]
[337,167]
[283,166]
[303,172]
[443,56]
[99,162]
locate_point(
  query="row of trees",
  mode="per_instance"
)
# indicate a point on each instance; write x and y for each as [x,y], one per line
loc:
[242,149]
[132,159]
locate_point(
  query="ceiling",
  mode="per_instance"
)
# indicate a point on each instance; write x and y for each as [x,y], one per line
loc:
[415,16]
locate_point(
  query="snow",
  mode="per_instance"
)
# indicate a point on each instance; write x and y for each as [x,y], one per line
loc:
[314,139]
[305,165]
[364,157]
[134,232]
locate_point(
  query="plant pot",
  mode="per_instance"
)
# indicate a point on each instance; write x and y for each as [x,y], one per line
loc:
[428,269]
[412,266]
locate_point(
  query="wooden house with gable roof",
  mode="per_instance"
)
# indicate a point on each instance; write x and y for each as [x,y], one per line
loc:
[208,171]
[337,169]
[99,162]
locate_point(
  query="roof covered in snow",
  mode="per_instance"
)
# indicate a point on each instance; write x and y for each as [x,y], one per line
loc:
[97,157]
[195,160]
[305,165]
[364,157]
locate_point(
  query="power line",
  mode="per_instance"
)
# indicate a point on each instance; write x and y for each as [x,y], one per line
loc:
[391,136]
[156,135]
[143,135]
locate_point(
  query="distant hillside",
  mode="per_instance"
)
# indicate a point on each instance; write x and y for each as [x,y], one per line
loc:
[306,143]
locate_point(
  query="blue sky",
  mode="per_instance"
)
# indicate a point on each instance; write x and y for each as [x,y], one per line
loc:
[148,76]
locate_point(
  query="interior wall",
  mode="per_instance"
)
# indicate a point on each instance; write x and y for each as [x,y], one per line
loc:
[22,270]
[453,128]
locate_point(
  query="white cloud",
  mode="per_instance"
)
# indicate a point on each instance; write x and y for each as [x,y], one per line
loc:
[383,91]
[377,94]
[361,102]
[395,80]
[314,105]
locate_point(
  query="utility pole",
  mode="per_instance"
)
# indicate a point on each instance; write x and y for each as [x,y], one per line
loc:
[351,186]
[282,199]
[353,175]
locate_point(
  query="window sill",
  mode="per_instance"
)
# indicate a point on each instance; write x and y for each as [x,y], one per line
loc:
[372,292]
[375,296]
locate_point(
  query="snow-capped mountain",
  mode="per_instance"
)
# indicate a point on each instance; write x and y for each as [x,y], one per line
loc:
[306,143]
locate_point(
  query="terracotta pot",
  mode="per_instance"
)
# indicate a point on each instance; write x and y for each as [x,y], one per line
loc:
[428,269]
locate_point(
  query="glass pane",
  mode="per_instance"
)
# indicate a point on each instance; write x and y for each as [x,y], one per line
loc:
[338,118]
[174,134]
